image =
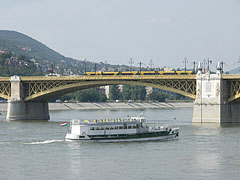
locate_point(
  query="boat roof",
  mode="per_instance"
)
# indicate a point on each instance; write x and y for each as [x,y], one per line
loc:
[102,122]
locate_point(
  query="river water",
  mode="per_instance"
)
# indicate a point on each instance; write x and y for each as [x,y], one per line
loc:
[37,150]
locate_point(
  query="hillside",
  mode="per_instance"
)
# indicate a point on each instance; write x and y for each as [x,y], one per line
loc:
[17,49]
[19,43]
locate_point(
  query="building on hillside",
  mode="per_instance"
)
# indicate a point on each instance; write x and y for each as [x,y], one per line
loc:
[2,51]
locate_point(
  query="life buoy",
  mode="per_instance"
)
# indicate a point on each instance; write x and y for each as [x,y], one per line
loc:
[83,133]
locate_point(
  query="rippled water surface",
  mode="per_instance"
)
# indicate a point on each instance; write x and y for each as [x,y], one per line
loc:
[37,150]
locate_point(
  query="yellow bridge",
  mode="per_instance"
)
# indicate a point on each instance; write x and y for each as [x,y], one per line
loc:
[28,96]
[44,88]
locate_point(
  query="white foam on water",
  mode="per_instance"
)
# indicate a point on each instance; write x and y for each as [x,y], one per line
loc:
[45,142]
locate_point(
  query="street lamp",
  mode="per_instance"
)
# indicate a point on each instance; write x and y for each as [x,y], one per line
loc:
[140,66]
[204,63]
[95,67]
[85,64]
[131,63]
[194,65]
[185,62]
[151,64]
[208,63]
[222,63]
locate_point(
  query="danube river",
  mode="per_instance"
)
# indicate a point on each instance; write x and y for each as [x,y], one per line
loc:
[37,150]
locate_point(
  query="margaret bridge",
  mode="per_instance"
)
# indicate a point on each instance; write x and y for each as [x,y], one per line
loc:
[216,96]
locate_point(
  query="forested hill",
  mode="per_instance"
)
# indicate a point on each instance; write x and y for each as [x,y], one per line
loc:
[19,43]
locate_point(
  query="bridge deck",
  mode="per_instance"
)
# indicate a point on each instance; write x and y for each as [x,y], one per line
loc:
[106,77]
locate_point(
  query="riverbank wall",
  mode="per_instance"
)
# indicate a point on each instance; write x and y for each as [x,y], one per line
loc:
[120,105]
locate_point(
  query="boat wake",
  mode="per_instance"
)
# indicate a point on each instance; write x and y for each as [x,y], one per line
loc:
[44,142]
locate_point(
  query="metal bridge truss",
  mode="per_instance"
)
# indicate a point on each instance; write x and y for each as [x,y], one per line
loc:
[234,90]
[53,87]
[5,89]
[47,88]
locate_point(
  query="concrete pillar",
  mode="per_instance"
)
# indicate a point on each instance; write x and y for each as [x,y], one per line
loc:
[211,103]
[18,109]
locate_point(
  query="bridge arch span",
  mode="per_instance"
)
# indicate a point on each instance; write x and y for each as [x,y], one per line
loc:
[4,96]
[58,91]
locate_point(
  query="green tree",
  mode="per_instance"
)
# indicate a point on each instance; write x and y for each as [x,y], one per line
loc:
[91,95]
[114,92]
[134,92]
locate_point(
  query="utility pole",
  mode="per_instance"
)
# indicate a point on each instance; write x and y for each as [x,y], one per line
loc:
[185,62]
[140,66]
[194,65]
[85,63]
[95,67]
[105,65]
[204,63]
[208,63]
[151,64]
[221,64]
[131,63]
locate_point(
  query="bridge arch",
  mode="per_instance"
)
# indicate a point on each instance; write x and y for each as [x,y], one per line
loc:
[4,96]
[58,91]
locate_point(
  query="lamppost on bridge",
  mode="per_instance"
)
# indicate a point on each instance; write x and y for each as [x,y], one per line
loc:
[194,65]
[208,63]
[140,66]
[105,65]
[131,62]
[85,66]
[185,62]
[151,64]
[95,68]
[204,65]
[221,65]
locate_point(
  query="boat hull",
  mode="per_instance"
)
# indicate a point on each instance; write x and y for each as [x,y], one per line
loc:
[156,138]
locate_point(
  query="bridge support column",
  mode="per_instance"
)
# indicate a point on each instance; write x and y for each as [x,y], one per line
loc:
[211,104]
[18,109]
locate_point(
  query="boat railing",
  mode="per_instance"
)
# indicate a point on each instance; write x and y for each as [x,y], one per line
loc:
[95,121]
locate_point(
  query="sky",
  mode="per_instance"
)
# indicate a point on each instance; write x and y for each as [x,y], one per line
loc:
[113,31]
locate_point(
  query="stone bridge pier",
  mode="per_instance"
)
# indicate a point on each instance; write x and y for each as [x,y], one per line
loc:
[212,104]
[18,109]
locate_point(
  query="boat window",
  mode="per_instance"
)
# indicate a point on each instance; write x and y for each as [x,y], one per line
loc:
[138,126]
[91,128]
[107,128]
[129,127]
[116,127]
[120,127]
[134,126]
[102,128]
[97,128]
[111,127]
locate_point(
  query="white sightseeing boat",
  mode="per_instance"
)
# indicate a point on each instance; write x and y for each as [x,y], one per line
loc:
[118,130]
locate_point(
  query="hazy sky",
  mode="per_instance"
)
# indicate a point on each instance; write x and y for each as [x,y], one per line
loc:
[115,30]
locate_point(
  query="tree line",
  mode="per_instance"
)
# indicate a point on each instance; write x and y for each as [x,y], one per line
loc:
[128,92]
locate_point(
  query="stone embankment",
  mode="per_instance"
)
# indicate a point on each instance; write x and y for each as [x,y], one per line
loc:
[120,105]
